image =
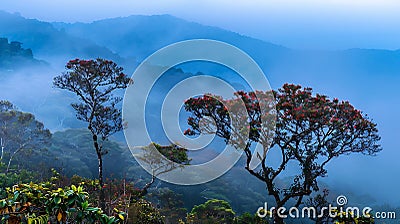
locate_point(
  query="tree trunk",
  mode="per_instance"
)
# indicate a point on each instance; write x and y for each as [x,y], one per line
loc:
[278,220]
[22,146]
[9,161]
[2,149]
[102,200]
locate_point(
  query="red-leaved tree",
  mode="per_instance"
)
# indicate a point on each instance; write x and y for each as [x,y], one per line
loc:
[310,130]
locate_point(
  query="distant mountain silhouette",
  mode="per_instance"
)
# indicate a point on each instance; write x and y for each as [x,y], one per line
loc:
[13,56]
[48,42]
[139,36]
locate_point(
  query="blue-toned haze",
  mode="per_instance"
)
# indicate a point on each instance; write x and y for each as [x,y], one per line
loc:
[367,78]
[301,24]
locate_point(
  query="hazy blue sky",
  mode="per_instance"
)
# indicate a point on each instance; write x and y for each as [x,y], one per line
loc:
[316,24]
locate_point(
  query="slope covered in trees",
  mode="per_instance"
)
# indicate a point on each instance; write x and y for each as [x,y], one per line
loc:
[13,56]
[47,42]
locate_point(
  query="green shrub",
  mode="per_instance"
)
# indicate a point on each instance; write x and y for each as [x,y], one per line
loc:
[212,211]
[27,202]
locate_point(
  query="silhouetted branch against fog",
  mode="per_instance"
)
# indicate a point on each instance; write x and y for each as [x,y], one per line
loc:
[94,82]
[310,130]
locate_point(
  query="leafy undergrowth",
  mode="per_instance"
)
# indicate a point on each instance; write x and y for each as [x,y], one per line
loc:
[45,202]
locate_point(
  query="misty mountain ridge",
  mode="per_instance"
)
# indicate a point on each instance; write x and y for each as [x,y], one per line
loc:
[47,42]
[139,35]
[128,40]
[14,57]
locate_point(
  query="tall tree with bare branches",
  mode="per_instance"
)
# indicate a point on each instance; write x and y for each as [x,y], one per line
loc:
[95,82]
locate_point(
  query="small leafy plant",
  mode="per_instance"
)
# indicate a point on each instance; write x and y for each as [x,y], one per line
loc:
[29,203]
